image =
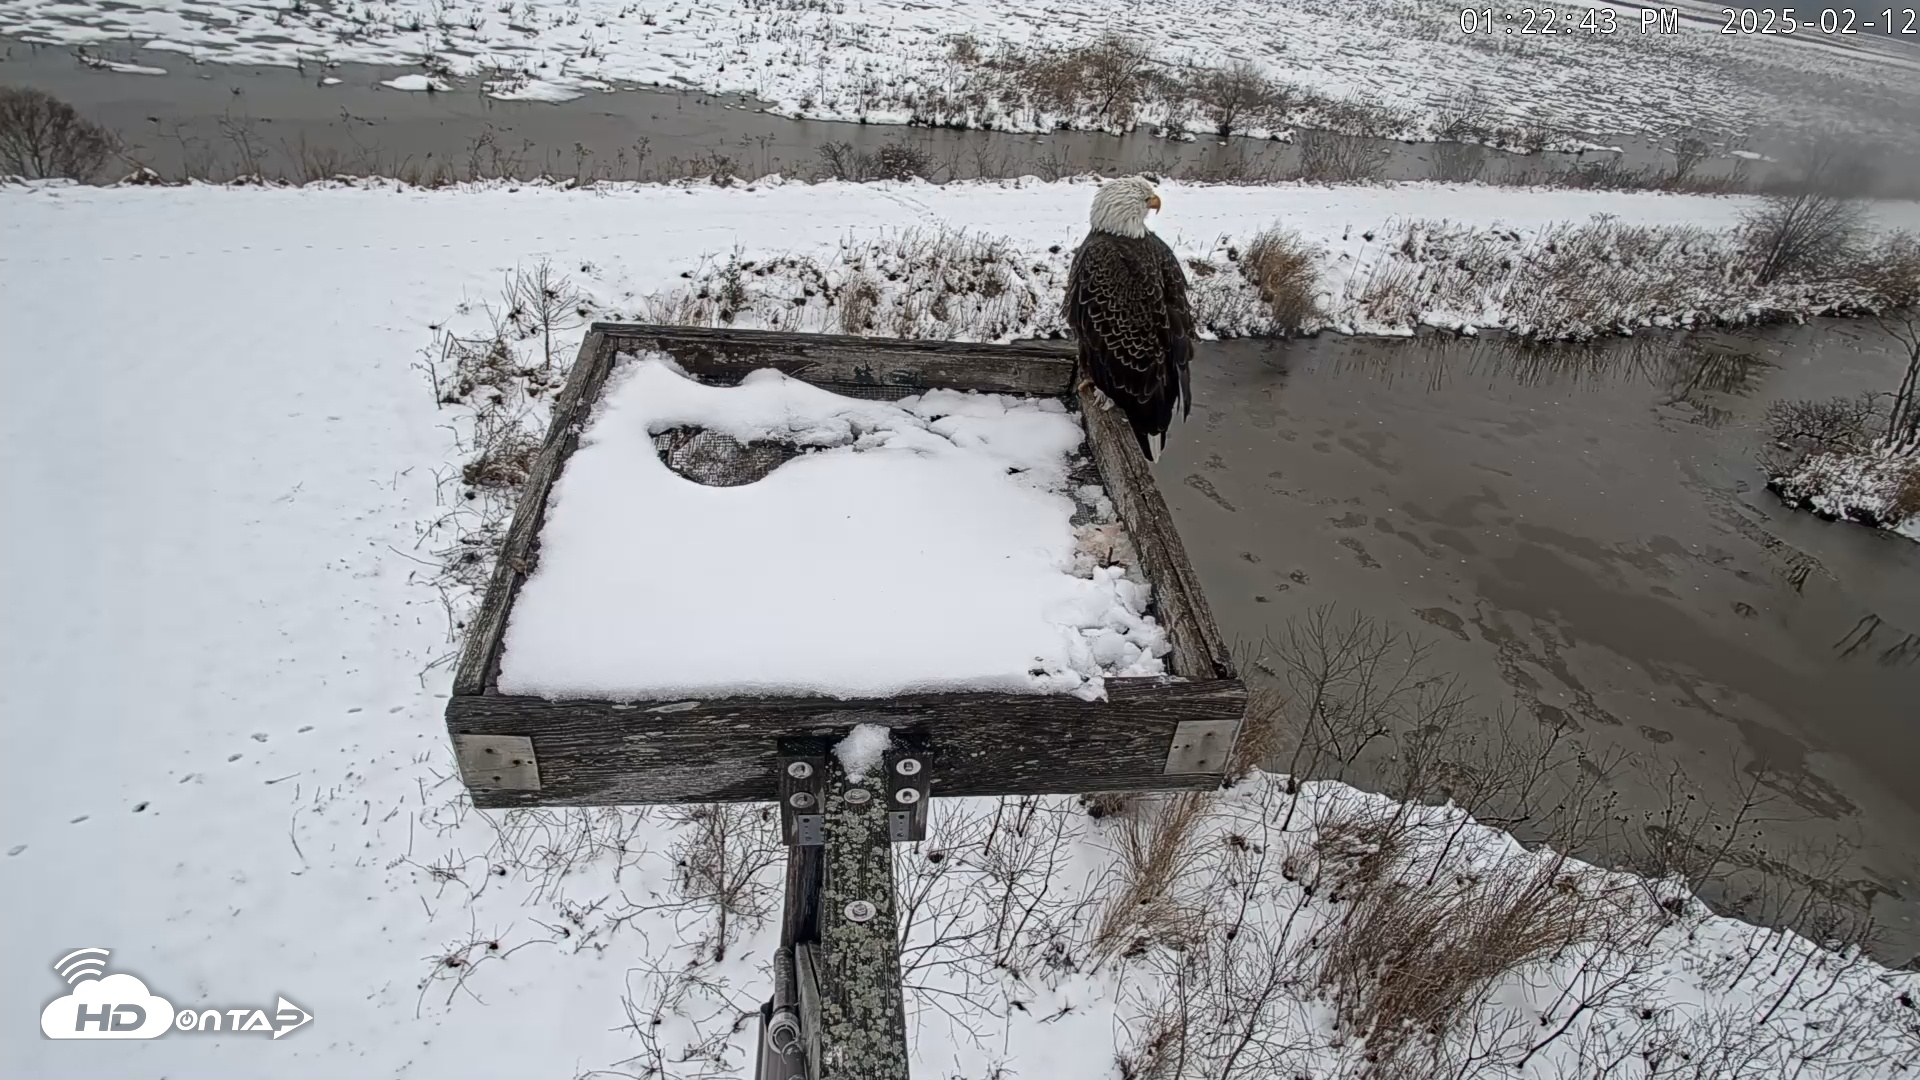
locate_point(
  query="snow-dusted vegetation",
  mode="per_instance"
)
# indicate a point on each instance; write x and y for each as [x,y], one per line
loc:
[270,527]
[1855,458]
[1561,279]
[1383,65]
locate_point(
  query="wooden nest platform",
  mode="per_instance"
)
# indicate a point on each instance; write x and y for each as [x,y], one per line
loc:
[1151,733]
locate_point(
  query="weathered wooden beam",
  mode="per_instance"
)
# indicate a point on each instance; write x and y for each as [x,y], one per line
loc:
[598,753]
[480,654]
[724,357]
[1198,651]
[862,1029]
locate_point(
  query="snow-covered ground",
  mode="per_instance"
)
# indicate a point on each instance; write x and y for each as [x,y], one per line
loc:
[836,59]
[219,661]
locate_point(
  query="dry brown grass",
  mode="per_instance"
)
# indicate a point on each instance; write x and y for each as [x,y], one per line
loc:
[1156,848]
[1281,265]
[1889,270]
[1408,963]
[1905,500]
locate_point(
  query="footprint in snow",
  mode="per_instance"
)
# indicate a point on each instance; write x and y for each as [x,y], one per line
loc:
[79,819]
[233,757]
[259,736]
[15,850]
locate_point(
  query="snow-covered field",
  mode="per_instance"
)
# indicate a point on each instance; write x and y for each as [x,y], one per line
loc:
[219,661]
[835,59]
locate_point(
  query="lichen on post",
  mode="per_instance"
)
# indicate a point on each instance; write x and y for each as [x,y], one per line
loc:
[863,1031]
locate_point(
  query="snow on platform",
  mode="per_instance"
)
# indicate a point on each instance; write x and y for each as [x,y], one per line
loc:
[920,545]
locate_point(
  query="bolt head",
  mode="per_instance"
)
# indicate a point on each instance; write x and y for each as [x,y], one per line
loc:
[907,795]
[801,800]
[799,770]
[859,911]
[907,766]
[858,795]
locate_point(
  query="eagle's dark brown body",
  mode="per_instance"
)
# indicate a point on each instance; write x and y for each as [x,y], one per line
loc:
[1127,304]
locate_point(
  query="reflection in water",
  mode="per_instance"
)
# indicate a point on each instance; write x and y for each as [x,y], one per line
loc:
[1683,369]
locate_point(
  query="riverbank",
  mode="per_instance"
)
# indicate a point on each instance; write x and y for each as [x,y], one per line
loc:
[891,61]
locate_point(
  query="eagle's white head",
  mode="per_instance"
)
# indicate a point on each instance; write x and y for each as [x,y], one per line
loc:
[1120,206]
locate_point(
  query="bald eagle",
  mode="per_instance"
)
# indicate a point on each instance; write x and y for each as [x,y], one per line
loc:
[1127,304]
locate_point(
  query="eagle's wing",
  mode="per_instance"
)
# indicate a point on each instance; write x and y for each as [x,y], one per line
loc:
[1116,304]
[1179,319]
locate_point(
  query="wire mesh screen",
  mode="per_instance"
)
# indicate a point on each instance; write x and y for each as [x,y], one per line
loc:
[717,460]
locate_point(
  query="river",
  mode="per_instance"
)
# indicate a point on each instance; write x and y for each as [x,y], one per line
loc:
[1583,534]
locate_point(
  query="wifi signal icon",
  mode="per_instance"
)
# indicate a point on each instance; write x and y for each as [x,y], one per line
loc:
[82,964]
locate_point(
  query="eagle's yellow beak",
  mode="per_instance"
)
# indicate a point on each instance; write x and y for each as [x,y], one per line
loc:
[1153,202]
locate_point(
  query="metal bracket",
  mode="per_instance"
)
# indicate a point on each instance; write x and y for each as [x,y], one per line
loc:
[1201,746]
[803,794]
[909,764]
[497,762]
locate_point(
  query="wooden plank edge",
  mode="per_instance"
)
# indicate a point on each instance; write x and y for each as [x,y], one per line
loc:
[510,800]
[480,652]
[511,714]
[1128,477]
[1038,369]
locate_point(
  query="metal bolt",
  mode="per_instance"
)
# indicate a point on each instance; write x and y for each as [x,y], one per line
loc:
[799,770]
[859,911]
[858,796]
[801,800]
[907,795]
[907,766]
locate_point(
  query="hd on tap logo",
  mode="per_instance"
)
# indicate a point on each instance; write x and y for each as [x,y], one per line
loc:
[119,1006]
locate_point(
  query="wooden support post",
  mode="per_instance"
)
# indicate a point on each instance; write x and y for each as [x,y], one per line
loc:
[861,1032]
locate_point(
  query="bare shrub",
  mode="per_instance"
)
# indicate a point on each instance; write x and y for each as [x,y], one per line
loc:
[1830,424]
[1830,164]
[1171,93]
[720,858]
[901,160]
[1330,157]
[1233,95]
[43,137]
[1463,114]
[1691,146]
[895,160]
[1801,235]
[542,302]
[1281,265]
[839,161]
[1105,80]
